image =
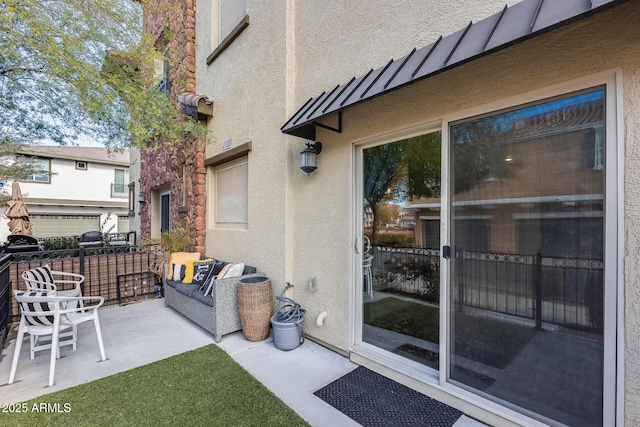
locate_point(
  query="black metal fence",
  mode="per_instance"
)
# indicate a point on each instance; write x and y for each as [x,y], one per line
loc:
[414,271]
[559,291]
[5,298]
[104,270]
[546,290]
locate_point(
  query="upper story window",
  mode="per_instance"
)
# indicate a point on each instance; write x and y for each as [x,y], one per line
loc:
[229,20]
[120,186]
[162,71]
[81,165]
[132,202]
[43,174]
[230,14]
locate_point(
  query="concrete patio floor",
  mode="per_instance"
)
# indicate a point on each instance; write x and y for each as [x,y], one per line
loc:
[142,333]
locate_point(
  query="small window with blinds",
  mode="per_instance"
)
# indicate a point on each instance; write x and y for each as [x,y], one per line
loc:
[232,193]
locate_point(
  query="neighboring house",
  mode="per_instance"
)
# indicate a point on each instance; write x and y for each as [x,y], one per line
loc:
[528,233]
[87,188]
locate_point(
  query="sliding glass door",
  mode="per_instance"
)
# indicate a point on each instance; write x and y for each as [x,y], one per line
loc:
[526,206]
[401,257]
[527,237]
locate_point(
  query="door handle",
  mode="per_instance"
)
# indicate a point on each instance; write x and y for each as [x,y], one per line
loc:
[446,252]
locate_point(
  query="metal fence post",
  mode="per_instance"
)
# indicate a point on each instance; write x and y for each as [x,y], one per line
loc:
[537,283]
[460,277]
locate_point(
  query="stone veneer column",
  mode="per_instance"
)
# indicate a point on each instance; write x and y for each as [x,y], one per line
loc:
[161,165]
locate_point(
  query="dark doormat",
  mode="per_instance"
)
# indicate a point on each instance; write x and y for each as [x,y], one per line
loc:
[419,354]
[373,400]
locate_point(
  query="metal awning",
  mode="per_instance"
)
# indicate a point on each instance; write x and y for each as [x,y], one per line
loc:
[514,24]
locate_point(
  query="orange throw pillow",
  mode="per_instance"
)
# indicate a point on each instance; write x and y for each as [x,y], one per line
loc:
[181,258]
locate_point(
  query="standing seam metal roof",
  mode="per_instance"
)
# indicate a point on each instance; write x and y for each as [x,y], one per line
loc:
[514,24]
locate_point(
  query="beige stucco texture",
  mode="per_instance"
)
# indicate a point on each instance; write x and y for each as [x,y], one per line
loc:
[247,83]
[631,336]
[608,42]
[603,43]
[305,226]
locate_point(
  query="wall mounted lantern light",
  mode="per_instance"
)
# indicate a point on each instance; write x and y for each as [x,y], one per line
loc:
[308,157]
[142,197]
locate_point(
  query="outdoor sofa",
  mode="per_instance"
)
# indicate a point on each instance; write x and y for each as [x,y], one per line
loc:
[215,311]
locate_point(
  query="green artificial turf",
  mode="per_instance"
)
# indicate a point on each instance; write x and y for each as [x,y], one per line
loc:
[406,317]
[488,341]
[203,387]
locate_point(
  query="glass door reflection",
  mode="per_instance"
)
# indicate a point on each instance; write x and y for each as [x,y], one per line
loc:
[527,230]
[401,257]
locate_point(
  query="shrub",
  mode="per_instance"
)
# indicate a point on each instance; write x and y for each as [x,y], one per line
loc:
[399,272]
[398,240]
[59,243]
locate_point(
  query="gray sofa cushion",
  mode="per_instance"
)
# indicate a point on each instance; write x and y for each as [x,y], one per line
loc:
[191,291]
[184,288]
[171,283]
[200,296]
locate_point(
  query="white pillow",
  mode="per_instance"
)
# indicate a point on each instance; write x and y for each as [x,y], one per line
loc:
[235,270]
[178,272]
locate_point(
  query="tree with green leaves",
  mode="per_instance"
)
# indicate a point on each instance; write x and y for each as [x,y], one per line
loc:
[381,169]
[78,68]
[402,170]
[422,160]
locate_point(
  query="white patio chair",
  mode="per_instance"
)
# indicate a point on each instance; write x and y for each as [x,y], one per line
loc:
[44,279]
[42,313]
[367,261]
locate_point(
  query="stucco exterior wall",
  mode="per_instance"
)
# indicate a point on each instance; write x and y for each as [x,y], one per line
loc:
[348,38]
[303,226]
[290,51]
[606,42]
[566,54]
[631,254]
[247,84]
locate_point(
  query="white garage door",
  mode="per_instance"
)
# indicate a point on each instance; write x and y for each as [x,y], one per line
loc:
[63,225]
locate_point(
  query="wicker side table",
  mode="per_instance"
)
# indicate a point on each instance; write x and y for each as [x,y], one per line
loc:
[255,303]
